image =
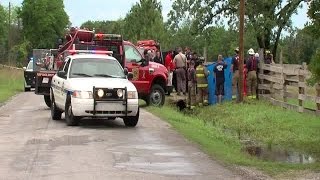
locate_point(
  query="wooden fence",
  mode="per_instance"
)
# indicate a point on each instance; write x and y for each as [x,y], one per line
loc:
[285,85]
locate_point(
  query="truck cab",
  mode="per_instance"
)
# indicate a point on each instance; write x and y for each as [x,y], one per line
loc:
[150,78]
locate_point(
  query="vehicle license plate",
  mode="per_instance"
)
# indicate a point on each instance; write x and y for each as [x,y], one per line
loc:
[45,80]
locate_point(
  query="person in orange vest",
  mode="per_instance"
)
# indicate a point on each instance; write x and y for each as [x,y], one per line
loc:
[202,83]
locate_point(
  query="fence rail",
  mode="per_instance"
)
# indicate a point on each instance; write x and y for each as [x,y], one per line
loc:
[281,84]
[10,67]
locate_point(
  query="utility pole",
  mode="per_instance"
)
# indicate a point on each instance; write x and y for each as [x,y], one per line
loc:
[241,49]
[9,34]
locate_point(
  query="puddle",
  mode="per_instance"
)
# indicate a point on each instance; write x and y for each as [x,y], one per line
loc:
[279,155]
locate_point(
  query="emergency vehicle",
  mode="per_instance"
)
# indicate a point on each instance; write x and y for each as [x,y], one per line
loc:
[149,78]
[93,84]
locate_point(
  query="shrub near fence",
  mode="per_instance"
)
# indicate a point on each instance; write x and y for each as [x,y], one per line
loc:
[285,83]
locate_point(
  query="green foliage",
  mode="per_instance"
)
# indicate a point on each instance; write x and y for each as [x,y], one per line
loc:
[315,68]
[314,15]
[20,53]
[112,27]
[299,46]
[43,22]
[145,21]
[267,18]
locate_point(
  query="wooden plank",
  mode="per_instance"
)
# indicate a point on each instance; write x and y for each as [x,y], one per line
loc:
[302,84]
[301,97]
[292,95]
[271,78]
[292,80]
[264,87]
[271,68]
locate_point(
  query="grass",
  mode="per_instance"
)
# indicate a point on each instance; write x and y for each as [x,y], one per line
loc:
[11,82]
[258,121]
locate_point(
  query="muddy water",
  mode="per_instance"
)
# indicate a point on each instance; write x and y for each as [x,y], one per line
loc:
[280,155]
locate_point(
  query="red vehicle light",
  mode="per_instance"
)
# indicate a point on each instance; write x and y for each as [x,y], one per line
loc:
[73,52]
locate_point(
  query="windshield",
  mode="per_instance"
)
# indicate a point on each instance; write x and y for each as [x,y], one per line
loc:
[95,67]
[30,65]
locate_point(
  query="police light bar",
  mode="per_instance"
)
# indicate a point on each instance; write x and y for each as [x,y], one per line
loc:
[72,52]
[100,36]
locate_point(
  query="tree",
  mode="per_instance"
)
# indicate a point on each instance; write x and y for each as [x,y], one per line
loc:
[314,15]
[43,21]
[112,27]
[145,21]
[268,18]
[3,25]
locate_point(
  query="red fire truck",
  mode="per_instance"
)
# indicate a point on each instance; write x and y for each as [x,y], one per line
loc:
[149,78]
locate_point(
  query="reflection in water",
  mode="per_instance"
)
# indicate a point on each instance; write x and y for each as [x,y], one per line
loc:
[280,155]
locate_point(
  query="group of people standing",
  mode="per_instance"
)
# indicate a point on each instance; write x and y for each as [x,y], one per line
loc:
[192,75]
[250,71]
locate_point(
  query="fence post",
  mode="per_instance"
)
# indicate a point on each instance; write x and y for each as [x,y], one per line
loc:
[261,63]
[284,77]
[318,98]
[302,86]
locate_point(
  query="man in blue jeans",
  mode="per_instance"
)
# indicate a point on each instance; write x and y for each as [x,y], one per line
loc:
[219,77]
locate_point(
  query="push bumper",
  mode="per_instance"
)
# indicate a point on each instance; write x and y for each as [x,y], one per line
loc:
[85,107]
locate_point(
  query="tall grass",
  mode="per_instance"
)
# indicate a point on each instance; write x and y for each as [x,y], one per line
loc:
[220,129]
[11,82]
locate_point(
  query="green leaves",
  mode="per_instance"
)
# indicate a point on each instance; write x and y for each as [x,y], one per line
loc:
[145,21]
[43,22]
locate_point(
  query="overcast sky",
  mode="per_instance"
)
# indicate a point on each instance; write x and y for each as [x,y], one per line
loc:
[83,10]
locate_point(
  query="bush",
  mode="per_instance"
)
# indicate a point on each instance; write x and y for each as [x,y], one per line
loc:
[315,68]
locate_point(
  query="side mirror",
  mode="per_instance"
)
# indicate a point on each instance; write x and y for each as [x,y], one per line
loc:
[125,70]
[145,62]
[61,73]
[24,68]
[130,76]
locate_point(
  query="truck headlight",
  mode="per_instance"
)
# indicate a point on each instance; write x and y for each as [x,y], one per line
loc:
[82,94]
[120,93]
[132,95]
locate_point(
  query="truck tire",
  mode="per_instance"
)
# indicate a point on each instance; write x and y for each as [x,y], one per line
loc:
[131,121]
[71,120]
[156,96]
[55,112]
[47,100]
[26,89]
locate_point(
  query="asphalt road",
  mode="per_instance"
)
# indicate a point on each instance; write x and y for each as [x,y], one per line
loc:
[32,146]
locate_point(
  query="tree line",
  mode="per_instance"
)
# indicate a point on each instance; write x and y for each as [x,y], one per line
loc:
[196,24]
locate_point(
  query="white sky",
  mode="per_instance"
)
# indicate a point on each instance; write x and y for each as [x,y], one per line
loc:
[83,10]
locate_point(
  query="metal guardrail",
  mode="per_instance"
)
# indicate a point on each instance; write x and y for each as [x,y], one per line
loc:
[10,67]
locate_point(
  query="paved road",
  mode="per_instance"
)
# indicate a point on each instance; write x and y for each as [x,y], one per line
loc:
[34,147]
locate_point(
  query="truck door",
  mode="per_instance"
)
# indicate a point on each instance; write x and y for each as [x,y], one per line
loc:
[140,73]
[59,84]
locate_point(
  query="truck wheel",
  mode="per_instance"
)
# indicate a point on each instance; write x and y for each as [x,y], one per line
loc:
[47,100]
[131,121]
[26,89]
[156,96]
[71,120]
[55,112]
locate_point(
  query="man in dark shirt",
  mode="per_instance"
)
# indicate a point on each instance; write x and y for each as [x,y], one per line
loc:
[235,70]
[219,77]
[157,58]
[252,66]
[192,83]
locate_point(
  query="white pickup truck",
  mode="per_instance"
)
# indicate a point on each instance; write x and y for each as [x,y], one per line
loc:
[93,85]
